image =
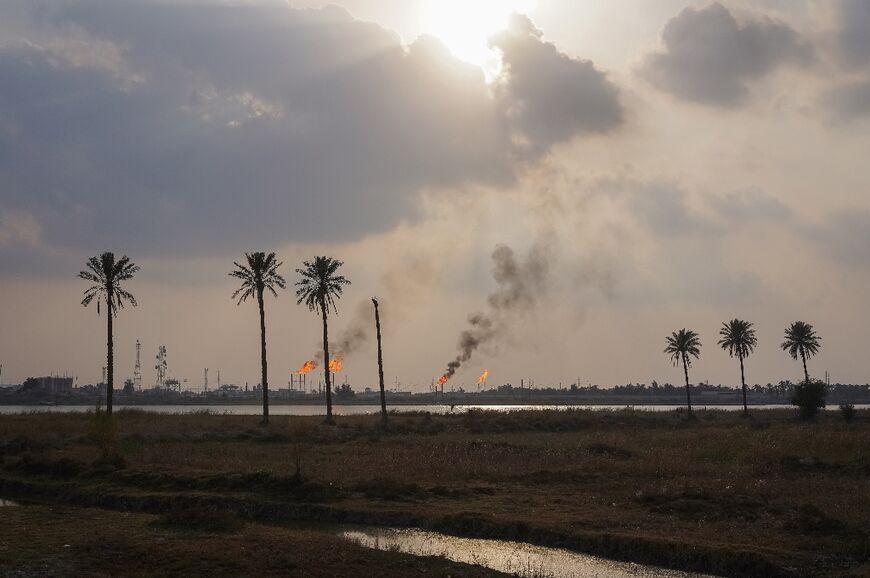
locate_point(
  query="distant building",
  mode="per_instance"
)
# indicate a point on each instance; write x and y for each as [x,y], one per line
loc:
[53,385]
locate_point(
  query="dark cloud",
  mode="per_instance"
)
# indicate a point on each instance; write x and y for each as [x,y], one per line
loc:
[710,58]
[177,128]
[855,31]
[549,96]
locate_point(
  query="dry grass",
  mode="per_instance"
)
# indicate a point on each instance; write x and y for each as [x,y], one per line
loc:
[790,492]
[64,541]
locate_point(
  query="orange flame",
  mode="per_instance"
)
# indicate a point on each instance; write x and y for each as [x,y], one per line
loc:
[336,363]
[306,367]
[483,376]
[443,379]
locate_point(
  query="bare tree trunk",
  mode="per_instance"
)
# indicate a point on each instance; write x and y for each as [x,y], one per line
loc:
[380,362]
[804,359]
[264,379]
[329,419]
[688,391]
[110,356]
[743,381]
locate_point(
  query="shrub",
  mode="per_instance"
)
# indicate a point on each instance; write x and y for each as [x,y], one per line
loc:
[847,410]
[809,397]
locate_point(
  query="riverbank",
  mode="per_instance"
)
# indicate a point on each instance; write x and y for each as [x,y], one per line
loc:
[52,541]
[718,494]
[419,401]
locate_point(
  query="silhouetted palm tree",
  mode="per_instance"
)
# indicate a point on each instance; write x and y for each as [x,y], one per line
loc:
[318,289]
[681,345]
[108,274]
[801,341]
[261,273]
[380,362]
[738,338]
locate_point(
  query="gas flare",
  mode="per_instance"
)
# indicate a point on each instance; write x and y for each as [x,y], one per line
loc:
[443,379]
[306,367]
[483,376]
[336,363]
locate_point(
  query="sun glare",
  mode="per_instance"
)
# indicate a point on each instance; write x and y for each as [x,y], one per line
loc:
[465,26]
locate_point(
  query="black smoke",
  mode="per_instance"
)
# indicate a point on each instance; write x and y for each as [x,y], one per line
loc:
[522,283]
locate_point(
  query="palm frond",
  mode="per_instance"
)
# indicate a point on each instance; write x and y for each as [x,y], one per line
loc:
[107,273]
[738,338]
[801,340]
[319,286]
[260,274]
[681,345]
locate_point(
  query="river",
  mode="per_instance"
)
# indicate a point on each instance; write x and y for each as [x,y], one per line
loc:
[283,409]
[517,558]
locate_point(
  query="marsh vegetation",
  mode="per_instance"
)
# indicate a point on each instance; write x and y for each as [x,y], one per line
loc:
[720,493]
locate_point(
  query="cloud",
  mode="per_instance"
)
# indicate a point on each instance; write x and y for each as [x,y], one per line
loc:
[854,37]
[661,206]
[549,96]
[23,250]
[848,101]
[711,58]
[749,204]
[673,242]
[176,128]
[19,228]
[845,235]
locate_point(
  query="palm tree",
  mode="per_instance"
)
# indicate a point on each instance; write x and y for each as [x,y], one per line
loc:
[107,274]
[260,274]
[801,341]
[319,288]
[738,338]
[681,345]
[380,362]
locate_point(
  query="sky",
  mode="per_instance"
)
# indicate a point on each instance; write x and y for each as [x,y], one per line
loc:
[545,189]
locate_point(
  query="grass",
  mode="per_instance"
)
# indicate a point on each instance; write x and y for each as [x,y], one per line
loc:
[719,493]
[212,519]
[63,541]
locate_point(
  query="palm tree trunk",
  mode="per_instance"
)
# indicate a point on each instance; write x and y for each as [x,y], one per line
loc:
[804,359]
[688,391]
[110,356]
[264,380]
[380,363]
[329,419]
[743,381]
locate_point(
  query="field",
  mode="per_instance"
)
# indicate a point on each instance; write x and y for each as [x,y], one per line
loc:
[721,493]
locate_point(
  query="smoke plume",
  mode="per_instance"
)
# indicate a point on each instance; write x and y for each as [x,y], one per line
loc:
[351,337]
[401,289]
[521,285]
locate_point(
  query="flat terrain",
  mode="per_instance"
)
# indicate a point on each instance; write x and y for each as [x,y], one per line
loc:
[721,493]
[63,541]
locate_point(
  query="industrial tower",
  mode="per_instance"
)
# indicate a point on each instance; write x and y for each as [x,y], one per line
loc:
[161,366]
[137,370]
